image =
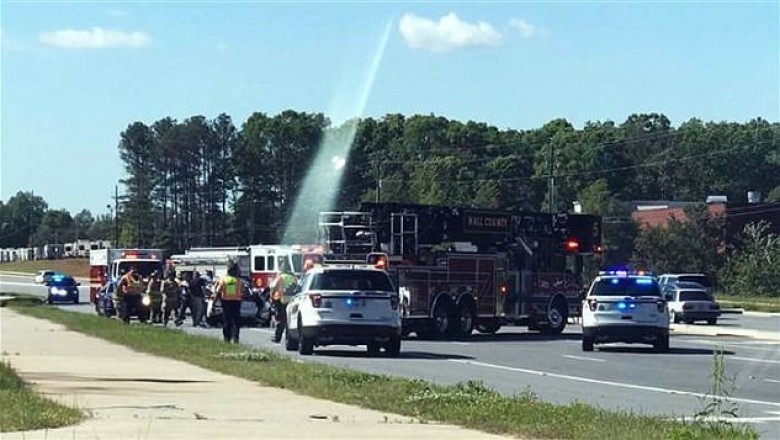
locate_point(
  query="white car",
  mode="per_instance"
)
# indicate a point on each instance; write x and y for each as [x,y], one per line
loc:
[690,302]
[43,276]
[625,308]
[344,305]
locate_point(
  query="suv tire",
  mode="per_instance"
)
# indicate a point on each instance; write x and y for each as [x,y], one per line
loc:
[661,345]
[290,344]
[393,347]
[587,343]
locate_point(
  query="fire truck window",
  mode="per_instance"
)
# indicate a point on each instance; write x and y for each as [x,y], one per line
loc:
[259,263]
[297,263]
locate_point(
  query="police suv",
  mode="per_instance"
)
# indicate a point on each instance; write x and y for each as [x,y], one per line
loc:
[622,307]
[344,305]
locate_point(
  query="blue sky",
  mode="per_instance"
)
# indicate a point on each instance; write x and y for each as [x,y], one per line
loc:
[75,74]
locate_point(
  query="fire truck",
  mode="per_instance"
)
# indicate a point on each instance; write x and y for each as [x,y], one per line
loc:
[108,265]
[460,269]
[267,259]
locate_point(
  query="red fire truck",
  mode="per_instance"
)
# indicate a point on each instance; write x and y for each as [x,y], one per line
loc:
[108,265]
[267,259]
[457,269]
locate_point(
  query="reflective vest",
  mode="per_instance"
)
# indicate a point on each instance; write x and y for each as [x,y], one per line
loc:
[284,282]
[231,289]
[131,286]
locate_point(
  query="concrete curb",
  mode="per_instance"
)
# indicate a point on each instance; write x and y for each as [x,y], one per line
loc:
[687,329]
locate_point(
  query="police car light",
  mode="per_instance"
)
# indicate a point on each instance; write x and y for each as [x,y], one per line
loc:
[644,281]
[614,281]
[622,306]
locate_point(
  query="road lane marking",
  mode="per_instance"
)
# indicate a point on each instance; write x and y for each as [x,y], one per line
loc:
[582,358]
[614,384]
[747,346]
[771,381]
[766,361]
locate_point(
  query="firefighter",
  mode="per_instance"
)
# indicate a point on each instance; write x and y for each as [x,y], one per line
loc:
[129,292]
[229,291]
[154,291]
[282,287]
[170,292]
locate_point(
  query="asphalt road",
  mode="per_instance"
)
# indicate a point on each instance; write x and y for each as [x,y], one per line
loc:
[26,285]
[620,377]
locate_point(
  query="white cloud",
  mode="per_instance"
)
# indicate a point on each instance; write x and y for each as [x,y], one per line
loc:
[449,33]
[526,29]
[95,38]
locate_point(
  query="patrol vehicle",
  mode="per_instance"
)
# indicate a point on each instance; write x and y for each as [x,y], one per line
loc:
[623,307]
[344,304]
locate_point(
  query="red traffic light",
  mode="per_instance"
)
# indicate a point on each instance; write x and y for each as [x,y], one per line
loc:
[572,245]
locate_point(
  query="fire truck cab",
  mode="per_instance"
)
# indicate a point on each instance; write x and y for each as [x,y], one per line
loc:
[460,269]
[108,265]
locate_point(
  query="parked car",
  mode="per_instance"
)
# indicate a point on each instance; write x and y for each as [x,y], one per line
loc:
[62,288]
[698,278]
[338,305]
[104,301]
[625,308]
[43,276]
[689,302]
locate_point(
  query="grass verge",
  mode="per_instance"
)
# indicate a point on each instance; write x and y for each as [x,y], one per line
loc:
[76,267]
[25,410]
[754,304]
[469,404]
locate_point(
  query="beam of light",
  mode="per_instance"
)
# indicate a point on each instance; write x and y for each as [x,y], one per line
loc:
[321,187]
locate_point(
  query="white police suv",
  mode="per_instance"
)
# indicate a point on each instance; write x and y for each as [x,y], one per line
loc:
[344,305]
[621,307]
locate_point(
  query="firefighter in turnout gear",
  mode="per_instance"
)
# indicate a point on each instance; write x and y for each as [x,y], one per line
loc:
[282,287]
[129,292]
[229,291]
[154,291]
[170,292]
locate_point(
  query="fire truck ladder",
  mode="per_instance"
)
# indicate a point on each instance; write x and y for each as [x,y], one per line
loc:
[347,233]
[403,233]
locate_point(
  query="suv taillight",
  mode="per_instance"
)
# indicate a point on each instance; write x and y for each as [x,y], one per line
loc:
[394,302]
[316,300]
[592,303]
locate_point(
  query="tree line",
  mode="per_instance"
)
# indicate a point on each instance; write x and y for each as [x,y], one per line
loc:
[208,182]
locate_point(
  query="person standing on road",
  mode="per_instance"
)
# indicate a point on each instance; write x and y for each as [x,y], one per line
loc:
[197,299]
[184,297]
[170,292]
[229,292]
[129,291]
[282,287]
[154,291]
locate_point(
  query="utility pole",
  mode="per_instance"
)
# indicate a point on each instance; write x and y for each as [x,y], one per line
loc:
[551,178]
[379,190]
[116,216]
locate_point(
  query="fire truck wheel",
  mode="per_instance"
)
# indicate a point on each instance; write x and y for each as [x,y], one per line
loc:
[488,329]
[464,325]
[556,318]
[442,319]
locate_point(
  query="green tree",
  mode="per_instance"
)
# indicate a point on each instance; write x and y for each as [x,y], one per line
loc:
[20,219]
[751,269]
[56,226]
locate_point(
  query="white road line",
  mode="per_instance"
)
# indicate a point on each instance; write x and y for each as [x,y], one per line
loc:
[740,358]
[746,346]
[614,384]
[14,283]
[582,358]
[771,381]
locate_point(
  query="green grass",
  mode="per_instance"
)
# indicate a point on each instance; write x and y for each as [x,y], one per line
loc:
[751,303]
[76,267]
[470,405]
[23,409]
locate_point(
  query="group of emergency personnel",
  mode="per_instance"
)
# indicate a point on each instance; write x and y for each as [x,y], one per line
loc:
[171,297]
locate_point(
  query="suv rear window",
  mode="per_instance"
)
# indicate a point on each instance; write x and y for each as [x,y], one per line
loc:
[625,287]
[367,280]
[693,295]
[698,279]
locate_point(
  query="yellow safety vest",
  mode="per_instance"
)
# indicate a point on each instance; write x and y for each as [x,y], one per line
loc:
[231,289]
